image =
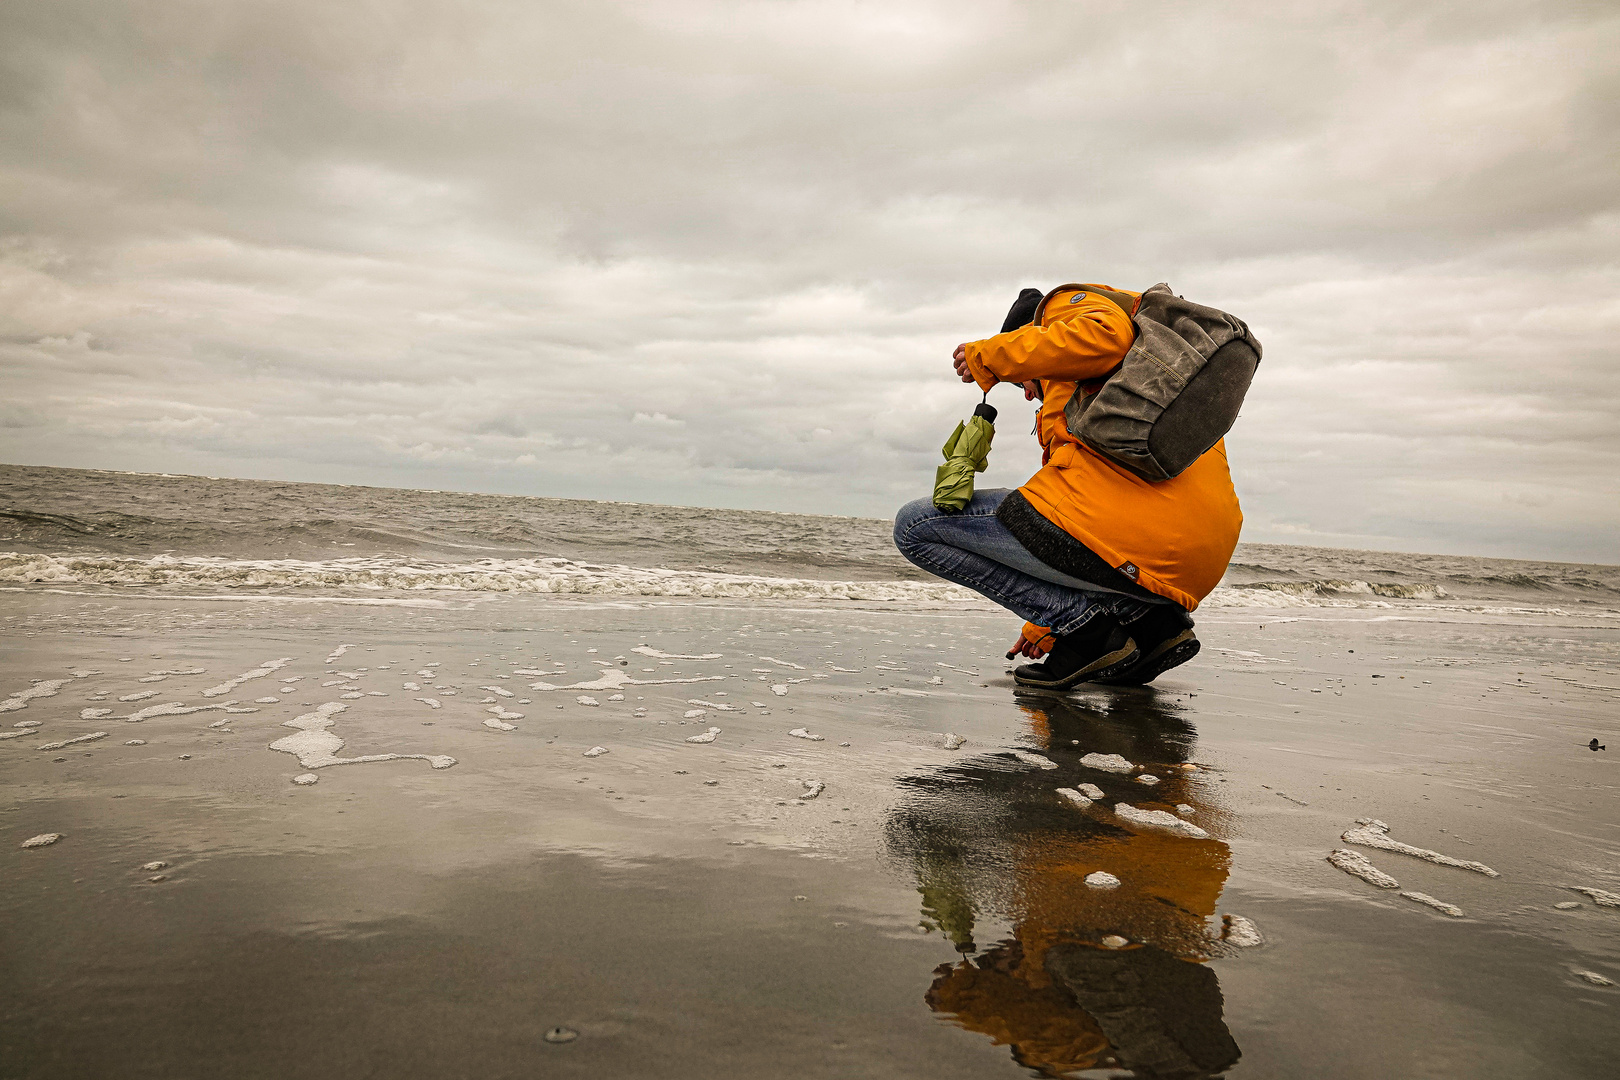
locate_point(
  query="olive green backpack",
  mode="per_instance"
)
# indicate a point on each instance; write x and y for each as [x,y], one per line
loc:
[1178,390]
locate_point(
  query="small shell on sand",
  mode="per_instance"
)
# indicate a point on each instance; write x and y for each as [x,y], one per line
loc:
[1355,864]
[1102,879]
[1158,819]
[1114,941]
[1428,901]
[1107,763]
[42,840]
[1074,797]
[305,779]
[596,751]
[802,733]
[954,741]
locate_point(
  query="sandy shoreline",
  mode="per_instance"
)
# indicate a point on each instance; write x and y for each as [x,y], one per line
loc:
[645,897]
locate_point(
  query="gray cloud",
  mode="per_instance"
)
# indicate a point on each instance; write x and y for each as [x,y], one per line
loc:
[719,253]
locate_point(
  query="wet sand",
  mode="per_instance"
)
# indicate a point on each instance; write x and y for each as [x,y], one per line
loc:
[683,909]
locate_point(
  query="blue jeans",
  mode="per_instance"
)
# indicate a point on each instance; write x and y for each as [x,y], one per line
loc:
[970,547]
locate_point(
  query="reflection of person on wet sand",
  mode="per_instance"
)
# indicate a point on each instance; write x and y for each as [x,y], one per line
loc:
[1090,977]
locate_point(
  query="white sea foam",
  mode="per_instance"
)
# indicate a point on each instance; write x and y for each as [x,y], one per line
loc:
[812,789]
[648,650]
[782,663]
[179,708]
[706,737]
[1375,834]
[316,746]
[1074,797]
[1600,897]
[1107,763]
[1439,905]
[555,576]
[43,688]
[266,668]
[1356,864]
[92,737]
[1158,820]
[616,678]
[1033,759]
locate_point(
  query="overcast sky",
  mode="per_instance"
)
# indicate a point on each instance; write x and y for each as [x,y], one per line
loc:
[719,253]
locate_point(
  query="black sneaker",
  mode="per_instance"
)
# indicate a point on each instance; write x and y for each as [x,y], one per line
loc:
[1098,650]
[1166,640]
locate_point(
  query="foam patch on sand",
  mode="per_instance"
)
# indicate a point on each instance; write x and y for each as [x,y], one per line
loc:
[269,667]
[1159,821]
[1356,864]
[1371,832]
[656,654]
[43,688]
[1107,763]
[617,678]
[92,737]
[179,708]
[1600,897]
[1428,901]
[782,663]
[316,746]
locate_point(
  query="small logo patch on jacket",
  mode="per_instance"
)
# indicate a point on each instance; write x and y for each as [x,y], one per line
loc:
[1077,297]
[1129,570]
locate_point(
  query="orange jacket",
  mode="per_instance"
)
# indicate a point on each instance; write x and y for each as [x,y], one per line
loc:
[1179,533]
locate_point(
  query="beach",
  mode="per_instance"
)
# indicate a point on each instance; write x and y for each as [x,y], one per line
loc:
[888,860]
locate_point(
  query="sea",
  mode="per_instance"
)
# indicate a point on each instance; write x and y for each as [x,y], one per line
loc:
[191,534]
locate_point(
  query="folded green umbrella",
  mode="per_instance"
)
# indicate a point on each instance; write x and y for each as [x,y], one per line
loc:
[966,452]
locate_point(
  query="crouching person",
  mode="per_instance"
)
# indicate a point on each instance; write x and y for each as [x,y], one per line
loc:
[1104,564]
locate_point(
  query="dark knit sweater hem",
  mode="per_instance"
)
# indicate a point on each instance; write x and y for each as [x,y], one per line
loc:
[1049,543]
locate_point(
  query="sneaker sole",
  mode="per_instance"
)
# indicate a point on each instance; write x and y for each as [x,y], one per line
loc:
[1105,666]
[1172,653]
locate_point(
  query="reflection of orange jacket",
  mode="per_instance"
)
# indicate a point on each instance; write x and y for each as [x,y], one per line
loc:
[1179,533]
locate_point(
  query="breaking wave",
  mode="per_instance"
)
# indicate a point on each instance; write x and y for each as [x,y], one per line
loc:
[556,576]
[549,576]
[1333,588]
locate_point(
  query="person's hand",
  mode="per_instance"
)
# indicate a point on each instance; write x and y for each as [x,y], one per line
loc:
[1032,389]
[1033,647]
[960,357]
